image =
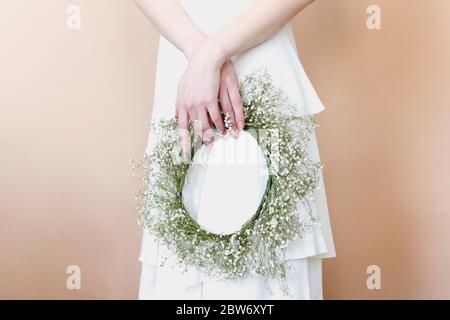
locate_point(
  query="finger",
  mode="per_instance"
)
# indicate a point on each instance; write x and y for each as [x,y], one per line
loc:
[236,103]
[192,114]
[196,123]
[205,126]
[210,121]
[216,117]
[225,104]
[183,124]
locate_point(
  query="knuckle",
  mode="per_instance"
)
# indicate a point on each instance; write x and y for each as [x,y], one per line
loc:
[229,78]
[226,106]
[205,124]
[236,98]
[209,99]
[198,100]
[216,118]
[189,106]
[196,103]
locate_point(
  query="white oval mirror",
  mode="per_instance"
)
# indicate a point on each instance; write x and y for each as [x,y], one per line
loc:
[225,183]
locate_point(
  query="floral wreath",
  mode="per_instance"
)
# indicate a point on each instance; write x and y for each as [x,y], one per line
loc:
[257,248]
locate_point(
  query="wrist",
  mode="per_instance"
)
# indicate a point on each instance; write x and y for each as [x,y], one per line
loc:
[192,44]
[217,50]
[208,50]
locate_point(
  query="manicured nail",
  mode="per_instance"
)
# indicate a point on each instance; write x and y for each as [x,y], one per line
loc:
[241,125]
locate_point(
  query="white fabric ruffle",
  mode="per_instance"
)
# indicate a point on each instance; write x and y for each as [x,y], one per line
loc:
[304,276]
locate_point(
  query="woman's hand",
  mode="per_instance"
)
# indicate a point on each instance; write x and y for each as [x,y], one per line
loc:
[230,97]
[199,86]
[197,94]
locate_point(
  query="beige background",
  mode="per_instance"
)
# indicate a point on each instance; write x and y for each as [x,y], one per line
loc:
[73,108]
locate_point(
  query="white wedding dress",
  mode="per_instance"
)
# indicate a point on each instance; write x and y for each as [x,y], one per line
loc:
[279,55]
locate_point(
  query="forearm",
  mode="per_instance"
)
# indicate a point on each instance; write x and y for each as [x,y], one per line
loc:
[255,25]
[172,21]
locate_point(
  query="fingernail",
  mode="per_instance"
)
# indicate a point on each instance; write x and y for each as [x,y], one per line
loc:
[241,125]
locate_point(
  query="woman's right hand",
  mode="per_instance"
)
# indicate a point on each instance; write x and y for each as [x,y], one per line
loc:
[230,97]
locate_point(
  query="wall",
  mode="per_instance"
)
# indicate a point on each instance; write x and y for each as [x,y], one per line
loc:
[73,109]
[385,142]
